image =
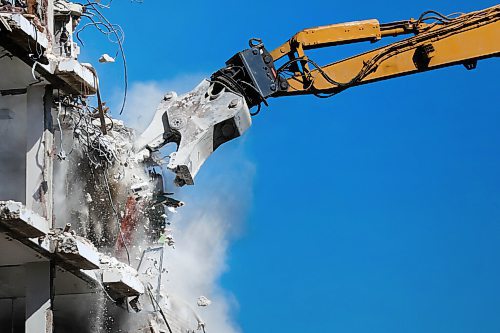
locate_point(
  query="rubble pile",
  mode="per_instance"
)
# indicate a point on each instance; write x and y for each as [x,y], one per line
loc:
[74,249]
[66,243]
[9,210]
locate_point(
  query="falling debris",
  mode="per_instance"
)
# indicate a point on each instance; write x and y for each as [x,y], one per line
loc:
[165,199]
[167,238]
[203,301]
[106,58]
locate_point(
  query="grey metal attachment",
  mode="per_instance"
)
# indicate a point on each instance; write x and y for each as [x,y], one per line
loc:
[198,122]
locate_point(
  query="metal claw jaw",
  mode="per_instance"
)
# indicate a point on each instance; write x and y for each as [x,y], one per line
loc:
[198,122]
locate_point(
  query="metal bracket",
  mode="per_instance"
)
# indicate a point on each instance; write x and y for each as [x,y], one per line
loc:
[470,65]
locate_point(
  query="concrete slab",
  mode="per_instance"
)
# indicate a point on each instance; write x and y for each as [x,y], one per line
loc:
[68,73]
[19,219]
[120,283]
[77,75]
[17,21]
[75,254]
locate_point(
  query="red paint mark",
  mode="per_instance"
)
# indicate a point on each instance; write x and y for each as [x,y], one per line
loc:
[128,224]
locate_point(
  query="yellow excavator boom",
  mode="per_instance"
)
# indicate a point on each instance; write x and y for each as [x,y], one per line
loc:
[447,41]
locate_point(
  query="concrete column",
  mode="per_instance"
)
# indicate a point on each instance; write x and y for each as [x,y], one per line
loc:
[48,141]
[39,318]
[39,149]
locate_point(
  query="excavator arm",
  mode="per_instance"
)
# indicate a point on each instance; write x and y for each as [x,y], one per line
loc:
[446,41]
[464,39]
[218,110]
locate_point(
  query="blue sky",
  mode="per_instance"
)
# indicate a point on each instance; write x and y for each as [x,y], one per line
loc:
[377,210]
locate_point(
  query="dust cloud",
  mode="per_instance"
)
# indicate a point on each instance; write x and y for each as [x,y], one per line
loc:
[214,215]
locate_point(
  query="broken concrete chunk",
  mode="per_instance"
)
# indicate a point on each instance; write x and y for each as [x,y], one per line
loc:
[106,58]
[203,301]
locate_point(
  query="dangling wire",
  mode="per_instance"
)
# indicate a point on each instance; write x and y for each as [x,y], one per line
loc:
[256,112]
[112,30]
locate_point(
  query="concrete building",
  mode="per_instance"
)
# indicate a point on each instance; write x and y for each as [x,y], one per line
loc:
[51,279]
